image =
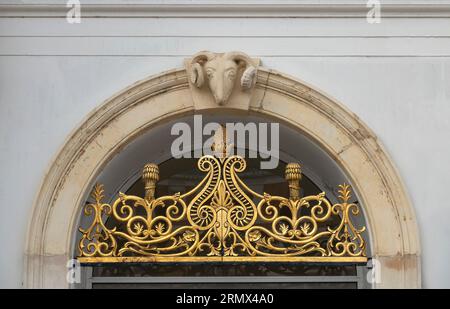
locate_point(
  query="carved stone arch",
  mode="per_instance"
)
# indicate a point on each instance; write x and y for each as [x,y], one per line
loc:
[389,213]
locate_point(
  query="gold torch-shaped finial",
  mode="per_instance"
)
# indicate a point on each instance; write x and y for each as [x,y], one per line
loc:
[150,176]
[221,146]
[293,175]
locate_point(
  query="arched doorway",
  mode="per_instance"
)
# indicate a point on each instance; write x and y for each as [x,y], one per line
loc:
[291,268]
[161,99]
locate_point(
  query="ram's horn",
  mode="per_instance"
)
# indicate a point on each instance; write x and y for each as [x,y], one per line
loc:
[248,77]
[239,57]
[197,75]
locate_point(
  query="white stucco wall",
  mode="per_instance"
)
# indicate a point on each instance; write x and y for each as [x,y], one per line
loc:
[395,76]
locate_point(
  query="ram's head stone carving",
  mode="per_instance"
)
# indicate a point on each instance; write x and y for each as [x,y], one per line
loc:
[220,72]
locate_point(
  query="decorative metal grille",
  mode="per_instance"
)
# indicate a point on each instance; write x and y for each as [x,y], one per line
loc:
[222,219]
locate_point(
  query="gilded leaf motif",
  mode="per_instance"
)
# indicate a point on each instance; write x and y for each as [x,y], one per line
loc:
[160,228]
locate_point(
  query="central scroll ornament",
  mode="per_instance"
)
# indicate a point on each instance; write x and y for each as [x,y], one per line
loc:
[221,219]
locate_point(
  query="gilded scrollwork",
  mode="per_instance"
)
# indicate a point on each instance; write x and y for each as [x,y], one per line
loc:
[222,218]
[97,240]
[346,239]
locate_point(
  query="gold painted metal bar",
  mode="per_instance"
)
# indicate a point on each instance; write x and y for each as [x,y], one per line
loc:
[278,259]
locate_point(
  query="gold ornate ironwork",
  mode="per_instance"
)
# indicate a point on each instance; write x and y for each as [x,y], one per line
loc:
[222,219]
